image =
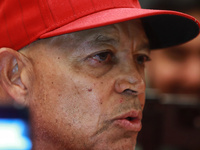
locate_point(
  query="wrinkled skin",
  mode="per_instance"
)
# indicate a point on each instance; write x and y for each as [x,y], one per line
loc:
[177,69]
[81,82]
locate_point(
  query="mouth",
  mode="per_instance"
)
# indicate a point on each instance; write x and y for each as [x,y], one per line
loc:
[130,121]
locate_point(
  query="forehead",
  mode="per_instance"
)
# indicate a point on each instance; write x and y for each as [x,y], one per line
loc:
[131,29]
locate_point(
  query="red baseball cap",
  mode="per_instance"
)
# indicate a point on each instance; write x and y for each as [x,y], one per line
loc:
[24,21]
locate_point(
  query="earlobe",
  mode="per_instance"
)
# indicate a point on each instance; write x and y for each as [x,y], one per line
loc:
[12,65]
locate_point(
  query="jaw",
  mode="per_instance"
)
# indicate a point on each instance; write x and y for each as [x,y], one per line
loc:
[122,144]
[113,138]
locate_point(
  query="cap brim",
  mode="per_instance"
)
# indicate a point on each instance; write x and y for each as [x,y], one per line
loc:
[163,28]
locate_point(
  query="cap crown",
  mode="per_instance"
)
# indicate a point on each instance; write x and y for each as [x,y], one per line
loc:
[23,21]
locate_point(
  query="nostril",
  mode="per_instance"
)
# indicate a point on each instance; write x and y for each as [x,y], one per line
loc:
[124,86]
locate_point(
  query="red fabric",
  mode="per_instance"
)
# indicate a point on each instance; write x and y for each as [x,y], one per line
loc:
[23,21]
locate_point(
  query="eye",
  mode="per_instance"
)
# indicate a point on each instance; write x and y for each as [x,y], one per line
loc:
[141,59]
[103,57]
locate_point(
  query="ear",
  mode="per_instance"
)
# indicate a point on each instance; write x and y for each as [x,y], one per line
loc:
[5,99]
[13,74]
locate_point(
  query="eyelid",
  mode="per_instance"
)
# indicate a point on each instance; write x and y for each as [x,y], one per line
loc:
[99,52]
[143,55]
[93,55]
[143,52]
[148,57]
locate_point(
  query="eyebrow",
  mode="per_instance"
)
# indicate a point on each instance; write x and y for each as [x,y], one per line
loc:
[106,39]
[145,46]
[114,40]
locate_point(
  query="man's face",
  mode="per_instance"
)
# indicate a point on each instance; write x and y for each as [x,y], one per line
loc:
[88,88]
[177,69]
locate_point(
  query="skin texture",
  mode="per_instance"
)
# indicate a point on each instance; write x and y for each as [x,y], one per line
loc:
[76,84]
[177,69]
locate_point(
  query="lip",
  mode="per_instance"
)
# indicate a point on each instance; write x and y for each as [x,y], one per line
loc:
[132,124]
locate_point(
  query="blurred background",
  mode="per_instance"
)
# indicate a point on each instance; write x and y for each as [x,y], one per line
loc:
[172,112]
[171,119]
[14,125]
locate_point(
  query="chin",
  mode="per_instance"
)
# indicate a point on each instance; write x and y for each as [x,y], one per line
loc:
[123,144]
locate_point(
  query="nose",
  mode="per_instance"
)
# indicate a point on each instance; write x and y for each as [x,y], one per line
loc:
[130,81]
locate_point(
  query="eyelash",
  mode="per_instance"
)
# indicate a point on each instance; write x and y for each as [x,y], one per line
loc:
[102,57]
[141,59]
[108,56]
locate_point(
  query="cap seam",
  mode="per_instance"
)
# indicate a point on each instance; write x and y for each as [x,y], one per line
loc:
[46,13]
[94,7]
[75,15]
[5,18]
[22,18]
[42,15]
[53,17]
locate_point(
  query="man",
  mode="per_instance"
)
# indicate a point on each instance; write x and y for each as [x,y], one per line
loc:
[82,76]
[176,70]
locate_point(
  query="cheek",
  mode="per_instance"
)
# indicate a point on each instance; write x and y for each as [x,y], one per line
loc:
[142,100]
[67,105]
[78,100]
